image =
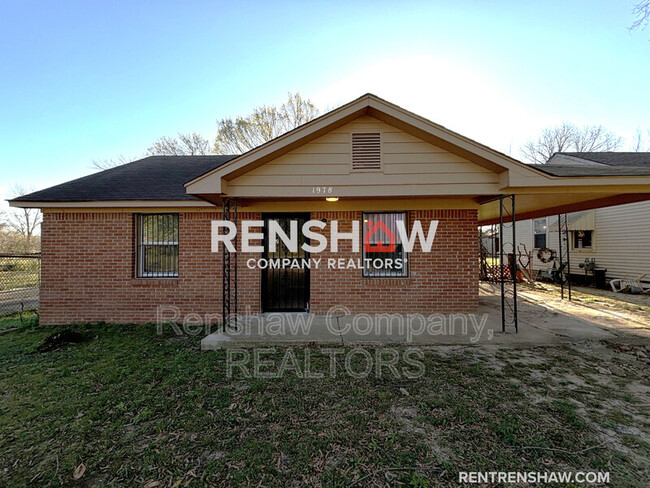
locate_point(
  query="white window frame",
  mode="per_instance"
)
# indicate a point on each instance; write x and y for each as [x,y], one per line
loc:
[536,233]
[581,249]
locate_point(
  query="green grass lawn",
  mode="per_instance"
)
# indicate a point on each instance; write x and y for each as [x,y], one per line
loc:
[138,408]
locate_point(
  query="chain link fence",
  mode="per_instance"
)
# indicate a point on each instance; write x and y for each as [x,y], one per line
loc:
[20,279]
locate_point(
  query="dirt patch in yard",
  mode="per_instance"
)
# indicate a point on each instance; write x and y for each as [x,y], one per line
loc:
[60,339]
[605,386]
[635,308]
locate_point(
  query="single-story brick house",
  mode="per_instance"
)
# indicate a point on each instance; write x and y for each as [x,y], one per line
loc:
[118,244]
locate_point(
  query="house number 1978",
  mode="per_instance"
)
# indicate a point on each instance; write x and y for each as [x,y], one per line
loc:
[321,190]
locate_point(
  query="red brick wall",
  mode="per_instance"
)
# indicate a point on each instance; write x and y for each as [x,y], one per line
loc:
[88,271]
[88,267]
[443,280]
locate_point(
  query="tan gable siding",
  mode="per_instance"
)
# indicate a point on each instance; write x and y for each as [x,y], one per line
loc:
[409,165]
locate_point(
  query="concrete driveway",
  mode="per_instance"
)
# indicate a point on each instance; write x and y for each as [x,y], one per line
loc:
[542,320]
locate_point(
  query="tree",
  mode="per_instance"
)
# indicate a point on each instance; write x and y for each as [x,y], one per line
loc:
[103,164]
[642,13]
[13,242]
[568,137]
[637,142]
[233,136]
[239,135]
[183,145]
[24,221]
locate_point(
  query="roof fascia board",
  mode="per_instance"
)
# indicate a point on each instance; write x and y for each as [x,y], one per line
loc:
[581,184]
[111,204]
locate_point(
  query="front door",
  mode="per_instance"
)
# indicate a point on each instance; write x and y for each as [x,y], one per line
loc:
[285,289]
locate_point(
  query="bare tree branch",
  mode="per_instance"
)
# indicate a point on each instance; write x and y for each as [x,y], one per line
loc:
[24,221]
[595,138]
[234,136]
[637,142]
[184,145]
[239,135]
[110,163]
[568,137]
[551,140]
[642,13]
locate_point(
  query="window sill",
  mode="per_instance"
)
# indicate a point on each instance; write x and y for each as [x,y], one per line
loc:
[387,281]
[157,282]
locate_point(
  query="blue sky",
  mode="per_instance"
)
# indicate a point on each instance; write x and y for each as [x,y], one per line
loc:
[94,80]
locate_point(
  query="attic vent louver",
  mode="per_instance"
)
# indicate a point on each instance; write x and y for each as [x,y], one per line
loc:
[366,151]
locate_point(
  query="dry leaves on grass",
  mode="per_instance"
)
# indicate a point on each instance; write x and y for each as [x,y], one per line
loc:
[79,472]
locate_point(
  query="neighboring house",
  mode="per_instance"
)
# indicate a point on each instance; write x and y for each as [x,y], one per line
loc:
[490,240]
[617,237]
[119,244]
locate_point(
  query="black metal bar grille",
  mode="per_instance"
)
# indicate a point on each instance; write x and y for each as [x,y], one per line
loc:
[508,272]
[285,289]
[564,243]
[229,271]
[389,219]
[158,245]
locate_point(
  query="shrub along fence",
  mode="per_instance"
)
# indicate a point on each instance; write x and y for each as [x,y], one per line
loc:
[20,279]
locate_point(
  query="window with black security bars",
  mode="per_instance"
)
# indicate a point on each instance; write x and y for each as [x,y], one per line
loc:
[383,252]
[157,245]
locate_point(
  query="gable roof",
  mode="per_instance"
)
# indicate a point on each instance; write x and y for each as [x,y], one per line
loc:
[369,104]
[151,178]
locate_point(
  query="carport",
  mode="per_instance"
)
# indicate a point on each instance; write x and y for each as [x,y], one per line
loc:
[561,187]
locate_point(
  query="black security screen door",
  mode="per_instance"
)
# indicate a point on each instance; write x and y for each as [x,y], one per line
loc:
[285,289]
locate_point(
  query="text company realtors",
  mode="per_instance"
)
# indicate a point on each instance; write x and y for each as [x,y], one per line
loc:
[397,264]
[378,237]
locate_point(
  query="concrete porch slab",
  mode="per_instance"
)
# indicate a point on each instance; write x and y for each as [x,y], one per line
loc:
[540,322]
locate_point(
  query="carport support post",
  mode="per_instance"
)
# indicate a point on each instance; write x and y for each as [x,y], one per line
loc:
[563,233]
[513,269]
[501,277]
[229,282]
[508,303]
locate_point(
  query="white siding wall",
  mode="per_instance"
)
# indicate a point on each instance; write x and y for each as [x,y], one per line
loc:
[621,241]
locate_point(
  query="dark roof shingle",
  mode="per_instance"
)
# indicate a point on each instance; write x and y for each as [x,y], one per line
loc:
[151,178]
[597,164]
[613,158]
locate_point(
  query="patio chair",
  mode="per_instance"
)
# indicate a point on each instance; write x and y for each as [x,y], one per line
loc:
[556,273]
[638,285]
